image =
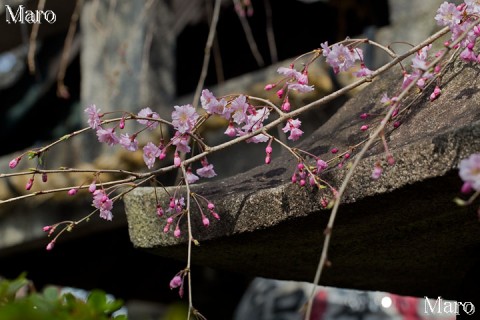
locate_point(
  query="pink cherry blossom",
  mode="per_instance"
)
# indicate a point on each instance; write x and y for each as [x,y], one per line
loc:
[93,116]
[148,113]
[206,171]
[293,126]
[469,170]
[255,122]
[448,15]
[239,107]
[108,136]
[184,118]
[211,104]
[340,57]
[103,203]
[362,72]
[181,142]
[191,177]
[150,153]
[302,88]
[130,143]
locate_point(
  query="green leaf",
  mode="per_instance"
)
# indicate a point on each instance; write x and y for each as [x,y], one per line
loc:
[51,294]
[97,299]
[9,288]
[31,155]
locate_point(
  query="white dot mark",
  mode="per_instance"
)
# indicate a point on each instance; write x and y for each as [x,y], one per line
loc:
[386,302]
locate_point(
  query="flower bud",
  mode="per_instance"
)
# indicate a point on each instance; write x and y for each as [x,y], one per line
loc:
[14,162]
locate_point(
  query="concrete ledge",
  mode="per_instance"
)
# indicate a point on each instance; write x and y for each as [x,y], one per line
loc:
[401,234]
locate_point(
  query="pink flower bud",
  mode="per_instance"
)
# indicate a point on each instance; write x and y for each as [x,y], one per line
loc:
[14,162]
[268,149]
[50,245]
[269,86]
[390,160]
[324,202]
[166,228]
[396,124]
[300,166]
[364,127]
[268,159]
[466,188]
[205,221]
[334,150]
[377,172]
[230,130]
[280,93]
[394,113]
[121,125]
[215,215]
[177,232]
[72,192]
[162,155]
[176,160]
[286,105]
[159,210]
[29,184]
[294,178]
[47,228]
[176,282]
[92,187]
[346,156]
[436,92]
[302,182]
[210,206]
[364,116]
[321,165]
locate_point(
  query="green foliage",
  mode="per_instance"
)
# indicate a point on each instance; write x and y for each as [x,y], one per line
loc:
[16,303]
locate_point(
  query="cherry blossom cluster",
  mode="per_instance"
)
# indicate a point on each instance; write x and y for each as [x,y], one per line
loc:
[251,122]
[463,23]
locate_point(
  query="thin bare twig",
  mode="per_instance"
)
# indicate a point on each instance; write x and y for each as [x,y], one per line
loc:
[62,90]
[250,39]
[272,46]
[32,47]
[208,48]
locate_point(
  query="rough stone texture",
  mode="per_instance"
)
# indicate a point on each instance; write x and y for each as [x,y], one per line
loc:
[127,60]
[401,234]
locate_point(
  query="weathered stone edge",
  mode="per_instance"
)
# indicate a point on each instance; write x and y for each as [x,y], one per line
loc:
[251,211]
